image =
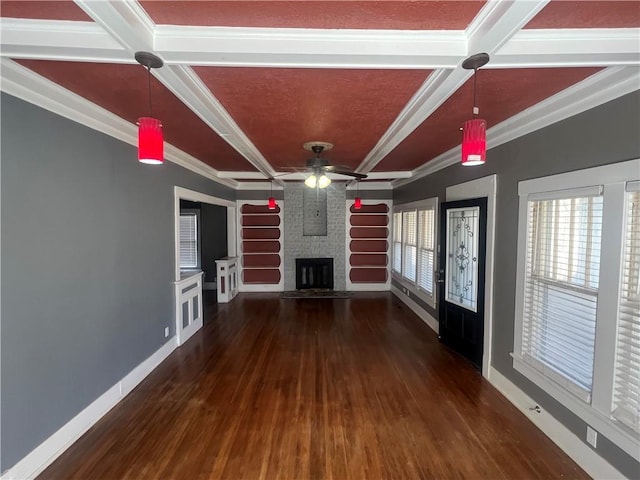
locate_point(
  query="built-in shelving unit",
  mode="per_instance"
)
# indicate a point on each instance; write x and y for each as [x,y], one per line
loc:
[260,245]
[368,246]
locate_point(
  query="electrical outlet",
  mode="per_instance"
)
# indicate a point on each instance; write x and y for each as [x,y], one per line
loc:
[166,332]
[592,436]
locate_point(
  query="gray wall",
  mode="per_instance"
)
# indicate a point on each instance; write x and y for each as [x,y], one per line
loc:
[213,237]
[296,245]
[87,267]
[606,134]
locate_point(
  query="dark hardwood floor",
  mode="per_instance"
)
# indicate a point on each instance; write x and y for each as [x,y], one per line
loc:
[306,389]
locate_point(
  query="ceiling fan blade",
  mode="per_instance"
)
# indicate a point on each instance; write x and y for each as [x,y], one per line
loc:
[347,172]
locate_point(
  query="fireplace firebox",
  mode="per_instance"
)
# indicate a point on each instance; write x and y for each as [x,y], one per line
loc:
[314,273]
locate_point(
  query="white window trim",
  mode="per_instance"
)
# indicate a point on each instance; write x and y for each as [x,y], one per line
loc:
[613,177]
[429,299]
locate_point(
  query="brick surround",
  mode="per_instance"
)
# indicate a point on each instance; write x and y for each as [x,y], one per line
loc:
[296,245]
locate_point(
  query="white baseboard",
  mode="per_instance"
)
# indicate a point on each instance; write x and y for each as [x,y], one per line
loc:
[368,287]
[260,287]
[581,453]
[44,454]
[417,309]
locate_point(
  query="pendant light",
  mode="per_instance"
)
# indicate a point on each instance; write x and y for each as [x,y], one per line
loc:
[272,201]
[357,202]
[474,132]
[150,141]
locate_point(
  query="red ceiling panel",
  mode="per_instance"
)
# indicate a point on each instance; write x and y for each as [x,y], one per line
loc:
[43,10]
[280,109]
[587,14]
[122,89]
[400,15]
[501,94]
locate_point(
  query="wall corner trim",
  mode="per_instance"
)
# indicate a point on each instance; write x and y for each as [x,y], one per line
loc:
[415,308]
[573,446]
[44,454]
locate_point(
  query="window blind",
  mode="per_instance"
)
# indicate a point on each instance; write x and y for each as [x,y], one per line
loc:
[561,289]
[410,245]
[426,249]
[188,240]
[626,390]
[397,242]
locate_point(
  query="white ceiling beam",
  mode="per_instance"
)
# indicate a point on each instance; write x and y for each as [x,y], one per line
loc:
[128,25]
[59,40]
[498,21]
[573,47]
[535,48]
[187,86]
[494,25]
[309,48]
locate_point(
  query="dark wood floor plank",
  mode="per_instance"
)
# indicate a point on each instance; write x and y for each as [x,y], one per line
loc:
[339,389]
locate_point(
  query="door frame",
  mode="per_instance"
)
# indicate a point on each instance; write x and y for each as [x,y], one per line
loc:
[181,193]
[483,187]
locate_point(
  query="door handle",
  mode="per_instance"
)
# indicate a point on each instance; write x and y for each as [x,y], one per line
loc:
[440,276]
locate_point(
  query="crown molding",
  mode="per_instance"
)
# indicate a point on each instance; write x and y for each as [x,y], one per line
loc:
[260,186]
[33,88]
[602,87]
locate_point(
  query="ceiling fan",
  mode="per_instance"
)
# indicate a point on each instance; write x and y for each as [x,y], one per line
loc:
[319,166]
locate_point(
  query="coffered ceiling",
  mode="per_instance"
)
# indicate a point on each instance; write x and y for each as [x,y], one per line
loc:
[246,83]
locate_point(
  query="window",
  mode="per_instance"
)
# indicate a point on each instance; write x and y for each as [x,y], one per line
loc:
[577,328]
[426,249]
[414,244]
[397,242]
[626,391]
[409,226]
[189,254]
[561,288]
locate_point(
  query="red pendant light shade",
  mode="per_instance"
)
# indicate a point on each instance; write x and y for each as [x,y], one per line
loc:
[357,201]
[272,201]
[474,142]
[150,141]
[474,132]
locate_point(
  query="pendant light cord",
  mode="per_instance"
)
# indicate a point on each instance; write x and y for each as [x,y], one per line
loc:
[149,84]
[475,105]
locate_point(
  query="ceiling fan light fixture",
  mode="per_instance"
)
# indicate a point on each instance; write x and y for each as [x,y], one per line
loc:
[474,132]
[311,181]
[150,138]
[324,181]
